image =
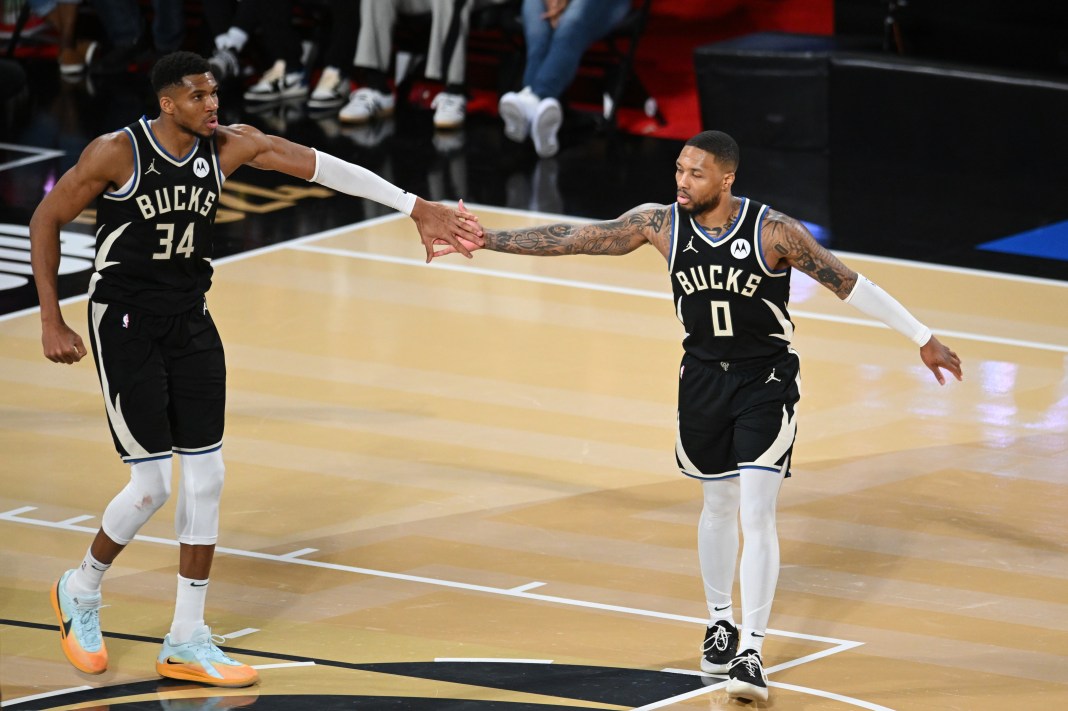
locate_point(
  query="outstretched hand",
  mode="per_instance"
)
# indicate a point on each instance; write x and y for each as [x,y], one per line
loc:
[441,224]
[450,249]
[937,357]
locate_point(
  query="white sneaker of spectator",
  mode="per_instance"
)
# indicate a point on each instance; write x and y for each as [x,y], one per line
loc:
[276,83]
[366,104]
[331,90]
[449,110]
[547,121]
[224,63]
[517,111]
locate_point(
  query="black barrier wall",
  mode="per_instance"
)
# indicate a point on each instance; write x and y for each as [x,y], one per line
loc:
[888,152]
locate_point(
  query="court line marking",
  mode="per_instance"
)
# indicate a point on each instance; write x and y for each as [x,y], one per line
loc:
[474,207]
[36,155]
[528,586]
[682,697]
[45,695]
[283,665]
[297,554]
[484,660]
[14,516]
[78,519]
[790,687]
[839,645]
[830,695]
[645,293]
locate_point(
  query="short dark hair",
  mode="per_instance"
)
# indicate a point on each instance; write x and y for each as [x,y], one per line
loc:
[171,68]
[720,145]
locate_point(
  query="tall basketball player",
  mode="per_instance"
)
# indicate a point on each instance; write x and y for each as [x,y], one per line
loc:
[729,259]
[157,351]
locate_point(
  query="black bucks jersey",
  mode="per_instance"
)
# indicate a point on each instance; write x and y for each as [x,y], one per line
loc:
[153,239]
[732,305]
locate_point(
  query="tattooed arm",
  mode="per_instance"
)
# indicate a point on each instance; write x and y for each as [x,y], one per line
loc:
[619,236]
[787,242]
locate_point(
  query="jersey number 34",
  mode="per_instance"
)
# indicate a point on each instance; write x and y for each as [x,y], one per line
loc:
[185,244]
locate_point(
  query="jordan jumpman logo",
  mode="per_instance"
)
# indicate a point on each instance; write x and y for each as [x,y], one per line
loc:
[152,168]
[690,247]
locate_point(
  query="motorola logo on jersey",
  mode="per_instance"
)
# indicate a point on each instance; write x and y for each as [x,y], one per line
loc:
[740,248]
[200,167]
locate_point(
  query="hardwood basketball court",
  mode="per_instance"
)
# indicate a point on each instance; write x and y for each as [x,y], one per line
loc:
[457,481]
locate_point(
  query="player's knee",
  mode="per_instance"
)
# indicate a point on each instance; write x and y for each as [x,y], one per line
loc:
[196,519]
[148,489]
[757,517]
[720,499]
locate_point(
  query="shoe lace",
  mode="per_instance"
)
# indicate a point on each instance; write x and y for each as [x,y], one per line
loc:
[719,640]
[89,619]
[753,667]
[207,647]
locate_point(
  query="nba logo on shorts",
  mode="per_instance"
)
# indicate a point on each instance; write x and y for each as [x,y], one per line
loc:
[126,320]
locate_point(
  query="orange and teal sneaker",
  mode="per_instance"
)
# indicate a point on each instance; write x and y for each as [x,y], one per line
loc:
[201,660]
[79,628]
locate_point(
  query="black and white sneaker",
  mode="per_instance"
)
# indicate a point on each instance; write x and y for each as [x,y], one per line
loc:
[719,648]
[277,84]
[747,682]
[225,64]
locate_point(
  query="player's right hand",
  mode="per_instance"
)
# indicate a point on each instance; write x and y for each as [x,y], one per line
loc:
[61,344]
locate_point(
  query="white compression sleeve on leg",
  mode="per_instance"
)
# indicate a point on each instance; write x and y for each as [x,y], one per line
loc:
[196,518]
[873,301]
[352,179]
[717,545]
[148,489]
[759,572]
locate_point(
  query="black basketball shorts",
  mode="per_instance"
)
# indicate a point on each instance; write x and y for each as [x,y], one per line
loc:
[731,418]
[163,380]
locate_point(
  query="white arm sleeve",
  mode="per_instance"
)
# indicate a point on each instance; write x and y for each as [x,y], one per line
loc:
[352,179]
[873,301]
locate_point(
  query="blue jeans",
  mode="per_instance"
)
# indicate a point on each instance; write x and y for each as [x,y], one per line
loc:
[122,22]
[553,56]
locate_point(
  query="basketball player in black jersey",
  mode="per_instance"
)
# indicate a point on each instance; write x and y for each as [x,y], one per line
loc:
[729,259]
[157,351]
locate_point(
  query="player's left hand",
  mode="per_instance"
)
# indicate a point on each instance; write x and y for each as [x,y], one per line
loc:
[936,357]
[441,224]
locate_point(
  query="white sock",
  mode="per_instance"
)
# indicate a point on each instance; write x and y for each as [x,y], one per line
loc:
[717,545]
[188,609]
[87,577]
[760,555]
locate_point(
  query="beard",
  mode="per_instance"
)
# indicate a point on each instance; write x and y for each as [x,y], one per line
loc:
[697,208]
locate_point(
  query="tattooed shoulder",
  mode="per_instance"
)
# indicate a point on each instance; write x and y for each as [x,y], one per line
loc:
[793,243]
